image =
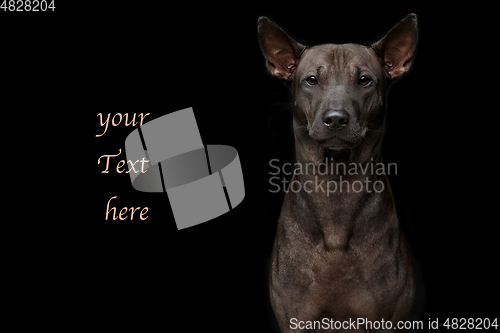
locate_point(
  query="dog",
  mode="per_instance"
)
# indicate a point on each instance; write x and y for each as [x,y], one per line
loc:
[339,255]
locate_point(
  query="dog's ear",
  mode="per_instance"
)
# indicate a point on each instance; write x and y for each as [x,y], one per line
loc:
[396,48]
[281,52]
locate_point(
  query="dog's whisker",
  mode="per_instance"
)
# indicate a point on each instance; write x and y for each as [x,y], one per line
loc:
[360,136]
[372,130]
[303,127]
[364,124]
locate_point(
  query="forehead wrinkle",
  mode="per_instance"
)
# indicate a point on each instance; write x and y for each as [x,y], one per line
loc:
[340,62]
[344,57]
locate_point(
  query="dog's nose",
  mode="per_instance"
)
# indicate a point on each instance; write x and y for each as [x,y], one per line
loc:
[336,119]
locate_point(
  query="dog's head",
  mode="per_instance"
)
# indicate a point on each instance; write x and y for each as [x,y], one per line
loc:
[338,90]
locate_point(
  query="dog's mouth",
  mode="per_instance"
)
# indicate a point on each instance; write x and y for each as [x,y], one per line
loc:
[340,141]
[338,144]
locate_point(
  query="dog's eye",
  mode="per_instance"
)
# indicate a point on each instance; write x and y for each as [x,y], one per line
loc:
[312,80]
[364,80]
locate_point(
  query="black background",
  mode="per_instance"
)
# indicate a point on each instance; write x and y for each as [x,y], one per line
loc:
[131,57]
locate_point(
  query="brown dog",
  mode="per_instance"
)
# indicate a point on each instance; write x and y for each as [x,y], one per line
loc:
[339,253]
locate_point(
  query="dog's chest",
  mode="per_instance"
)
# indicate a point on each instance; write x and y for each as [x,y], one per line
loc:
[352,276]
